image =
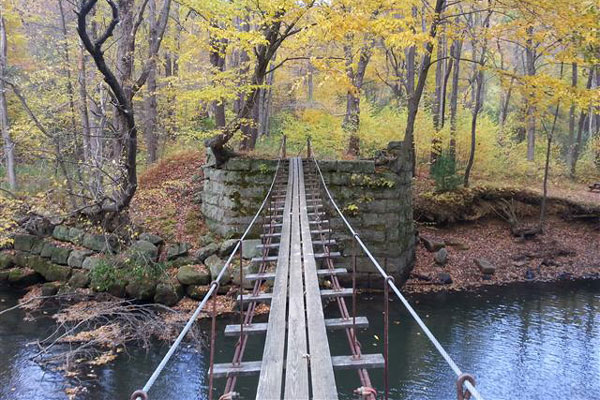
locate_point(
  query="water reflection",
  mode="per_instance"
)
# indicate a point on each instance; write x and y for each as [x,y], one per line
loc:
[534,342]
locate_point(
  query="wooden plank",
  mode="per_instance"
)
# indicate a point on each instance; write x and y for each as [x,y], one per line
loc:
[332,254]
[258,260]
[365,361]
[261,277]
[344,292]
[244,369]
[320,272]
[321,368]
[330,324]
[250,329]
[326,242]
[341,323]
[259,298]
[268,246]
[328,272]
[296,372]
[271,376]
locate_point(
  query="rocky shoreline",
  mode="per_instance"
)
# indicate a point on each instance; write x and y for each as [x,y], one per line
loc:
[472,255]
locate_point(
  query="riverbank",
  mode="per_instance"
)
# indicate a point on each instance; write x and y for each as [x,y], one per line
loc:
[567,250]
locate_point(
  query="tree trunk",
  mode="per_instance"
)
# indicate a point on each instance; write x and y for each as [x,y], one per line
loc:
[531,109]
[476,108]
[9,146]
[351,121]
[437,102]
[571,140]
[580,127]
[151,105]
[415,98]
[456,53]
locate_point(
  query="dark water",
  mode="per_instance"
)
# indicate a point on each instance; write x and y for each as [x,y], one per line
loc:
[525,342]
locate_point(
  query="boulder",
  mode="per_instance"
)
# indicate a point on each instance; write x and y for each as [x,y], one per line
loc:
[529,274]
[175,250]
[168,293]
[154,239]
[4,275]
[23,277]
[79,280]
[60,255]
[249,268]
[141,290]
[142,252]
[432,245]
[227,247]
[206,252]
[23,242]
[61,232]
[250,249]
[77,257]
[193,275]
[6,261]
[457,244]
[215,265]
[38,247]
[444,278]
[76,235]
[91,262]
[181,261]
[118,289]
[441,256]
[50,289]
[100,243]
[196,292]
[50,272]
[486,267]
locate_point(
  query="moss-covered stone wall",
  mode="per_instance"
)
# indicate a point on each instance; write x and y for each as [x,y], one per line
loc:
[376,201]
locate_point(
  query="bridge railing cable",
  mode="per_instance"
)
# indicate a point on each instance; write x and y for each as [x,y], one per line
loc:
[463,379]
[143,393]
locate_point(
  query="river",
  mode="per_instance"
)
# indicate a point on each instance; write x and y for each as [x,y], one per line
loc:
[536,341]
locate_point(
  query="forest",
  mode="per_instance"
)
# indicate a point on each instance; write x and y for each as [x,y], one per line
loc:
[92,92]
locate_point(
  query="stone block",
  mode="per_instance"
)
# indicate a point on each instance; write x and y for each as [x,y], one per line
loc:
[77,257]
[100,243]
[60,255]
[79,280]
[6,261]
[193,275]
[23,277]
[61,232]
[152,238]
[142,252]
[168,293]
[24,242]
[238,164]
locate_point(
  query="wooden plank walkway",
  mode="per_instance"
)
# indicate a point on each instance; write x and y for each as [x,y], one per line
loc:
[297,362]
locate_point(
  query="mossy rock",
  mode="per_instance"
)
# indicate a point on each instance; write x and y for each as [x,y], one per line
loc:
[77,257]
[142,252]
[23,277]
[141,290]
[100,243]
[50,289]
[23,242]
[168,293]
[51,272]
[61,232]
[175,250]
[61,255]
[6,261]
[4,275]
[193,275]
[197,292]
[79,280]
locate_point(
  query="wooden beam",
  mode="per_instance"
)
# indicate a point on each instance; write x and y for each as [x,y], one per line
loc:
[321,369]
[296,372]
[365,361]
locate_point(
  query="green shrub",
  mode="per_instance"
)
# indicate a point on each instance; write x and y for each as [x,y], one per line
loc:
[443,172]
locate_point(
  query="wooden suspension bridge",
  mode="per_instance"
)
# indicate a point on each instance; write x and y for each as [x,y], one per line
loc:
[297,251]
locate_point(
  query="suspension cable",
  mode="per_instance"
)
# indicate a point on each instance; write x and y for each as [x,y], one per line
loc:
[393,286]
[142,394]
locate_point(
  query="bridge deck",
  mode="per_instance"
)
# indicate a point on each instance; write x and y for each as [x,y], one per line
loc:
[296,333]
